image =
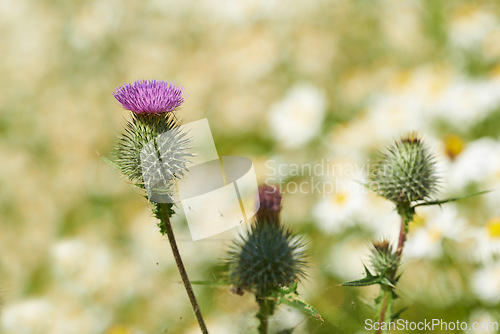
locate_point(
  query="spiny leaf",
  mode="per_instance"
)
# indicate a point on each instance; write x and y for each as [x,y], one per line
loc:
[369,279]
[295,301]
[292,299]
[453,199]
[385,281]
[398,313]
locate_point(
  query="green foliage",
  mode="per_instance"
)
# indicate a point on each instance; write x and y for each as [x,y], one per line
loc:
[371,279]
[290,297]
[157,213]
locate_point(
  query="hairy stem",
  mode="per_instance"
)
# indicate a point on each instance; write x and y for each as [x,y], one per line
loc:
[402,238]
[266,309]
[182,271]
[386,293]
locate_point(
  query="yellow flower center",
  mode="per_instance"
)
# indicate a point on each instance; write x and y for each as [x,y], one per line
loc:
[339,198]
[493,227]
[435,234]
[454,145]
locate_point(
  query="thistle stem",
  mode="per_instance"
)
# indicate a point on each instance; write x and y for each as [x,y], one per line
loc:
[386,307]
[266,309]
[402,238]
[182,271]
[386,294]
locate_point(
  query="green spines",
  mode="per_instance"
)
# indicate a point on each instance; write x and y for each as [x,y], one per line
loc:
[406,172]
[266,259]
[384,260]
[152,152]
[145,130]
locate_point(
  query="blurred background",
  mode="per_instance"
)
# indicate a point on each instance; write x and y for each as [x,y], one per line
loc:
[309,90]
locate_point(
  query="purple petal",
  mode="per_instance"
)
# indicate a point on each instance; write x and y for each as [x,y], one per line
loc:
[151,97]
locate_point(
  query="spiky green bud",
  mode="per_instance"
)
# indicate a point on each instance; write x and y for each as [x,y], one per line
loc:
[267,258]
[153,146]
[383,258]
[405,172]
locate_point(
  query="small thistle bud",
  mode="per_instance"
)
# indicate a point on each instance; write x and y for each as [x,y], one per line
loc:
[383,258]
[270,204]
[269,257]
[405,172]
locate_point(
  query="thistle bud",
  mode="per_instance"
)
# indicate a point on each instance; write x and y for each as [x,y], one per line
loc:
[268,256]
[153,142]
[383,259]
[270,204]
[405,172]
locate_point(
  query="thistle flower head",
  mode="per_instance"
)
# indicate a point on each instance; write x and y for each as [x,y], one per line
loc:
[267,258]
[383,258]
[149,97]
[153,151]
[405,172]
[270,204]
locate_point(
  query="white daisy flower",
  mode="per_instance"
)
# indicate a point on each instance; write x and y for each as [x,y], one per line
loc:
[30,316]
[486,245]
[347,258]
[479,162]
[470,25]
[297,119]
[438,223]
[342,209]
[486,283]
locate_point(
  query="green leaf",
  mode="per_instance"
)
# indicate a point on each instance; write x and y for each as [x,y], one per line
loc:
[291,289]
[290,297]
[295,301]
[398,313]
[369,279]
[453,199]
[385,281]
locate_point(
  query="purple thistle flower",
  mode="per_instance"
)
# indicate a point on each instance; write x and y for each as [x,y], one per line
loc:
[149,96]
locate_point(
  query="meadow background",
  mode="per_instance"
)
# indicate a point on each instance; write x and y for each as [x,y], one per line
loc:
[324,82]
